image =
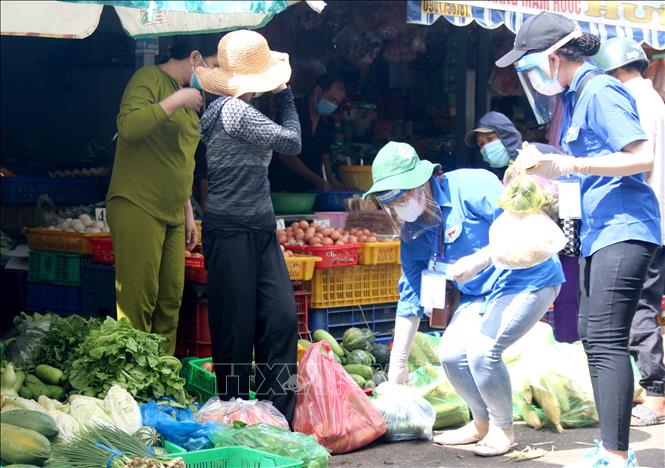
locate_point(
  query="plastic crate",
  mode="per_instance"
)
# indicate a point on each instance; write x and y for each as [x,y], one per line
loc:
[57,268]
[62,300]
[235,457]
[301,298]
[195,270]
[59,241]
[380,318]
[193,337]
[380,253]
[359,285]
[333,256]
[301,268]
[331,200]
[27,190]
[202,382]
[98,290]
[173,449]
[102,250]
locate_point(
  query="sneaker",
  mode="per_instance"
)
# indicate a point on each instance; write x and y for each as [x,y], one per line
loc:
[597,457]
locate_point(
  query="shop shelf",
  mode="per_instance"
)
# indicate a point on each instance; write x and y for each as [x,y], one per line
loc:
[285,203]
[301,267]
[57,268]
[59,241]
[332,256]
[62,300]
[98,290]
[359,285]
[235,457]
[102,250]
[195,270]
[379,253]
[333,200]
[27,190]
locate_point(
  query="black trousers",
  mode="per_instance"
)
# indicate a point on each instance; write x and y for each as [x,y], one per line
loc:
[611,282]
[251,307]
[646,343]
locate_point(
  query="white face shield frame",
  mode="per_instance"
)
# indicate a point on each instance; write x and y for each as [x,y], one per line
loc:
[412,212]
[540,86]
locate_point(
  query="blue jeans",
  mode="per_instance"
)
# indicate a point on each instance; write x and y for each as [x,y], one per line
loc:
[472,346]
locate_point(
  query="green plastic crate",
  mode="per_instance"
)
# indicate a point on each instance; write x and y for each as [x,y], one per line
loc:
[235,457]
[173,449]
[56,268]
[203,383]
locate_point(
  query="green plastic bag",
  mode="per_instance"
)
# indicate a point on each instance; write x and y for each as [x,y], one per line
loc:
[275,440]
[450,409]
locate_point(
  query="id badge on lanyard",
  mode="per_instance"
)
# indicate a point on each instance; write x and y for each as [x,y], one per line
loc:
[570,198]
[433,281]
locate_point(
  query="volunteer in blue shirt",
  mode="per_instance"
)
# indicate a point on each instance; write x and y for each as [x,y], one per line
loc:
[620,225]
[443,218]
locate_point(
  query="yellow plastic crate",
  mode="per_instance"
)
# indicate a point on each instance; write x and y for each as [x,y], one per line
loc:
[59,241]
[301,268]
[379,253]
[358,285]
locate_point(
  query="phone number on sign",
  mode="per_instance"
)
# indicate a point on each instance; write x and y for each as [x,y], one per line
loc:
[446,9]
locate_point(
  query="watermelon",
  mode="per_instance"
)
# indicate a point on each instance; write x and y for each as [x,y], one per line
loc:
[355,338]
[360,356]
[381,353]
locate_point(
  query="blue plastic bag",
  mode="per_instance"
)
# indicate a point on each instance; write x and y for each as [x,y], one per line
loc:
[177,425]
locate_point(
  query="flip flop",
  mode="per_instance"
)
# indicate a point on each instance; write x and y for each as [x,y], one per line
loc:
[645,417]
[486,450]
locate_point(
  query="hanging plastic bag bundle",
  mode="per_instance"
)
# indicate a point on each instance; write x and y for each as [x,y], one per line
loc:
[408,415]
[250,412]
[331,406]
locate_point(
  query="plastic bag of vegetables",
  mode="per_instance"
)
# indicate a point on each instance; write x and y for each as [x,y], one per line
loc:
[178,426]
[519,241]
[408,415]
[274,440]
[523,193]
[249,412]
[331,406]
[432,384]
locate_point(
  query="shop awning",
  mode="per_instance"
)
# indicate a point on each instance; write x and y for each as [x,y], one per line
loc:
[643,21]
[77,19]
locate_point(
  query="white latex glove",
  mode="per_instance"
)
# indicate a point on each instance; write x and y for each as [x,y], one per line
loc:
[552,166]
[405,330]
[466,268]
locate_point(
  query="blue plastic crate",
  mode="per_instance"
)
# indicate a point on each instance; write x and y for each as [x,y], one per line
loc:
[27,190]
[44,297]
[98,289]
[332,200]
[380,318]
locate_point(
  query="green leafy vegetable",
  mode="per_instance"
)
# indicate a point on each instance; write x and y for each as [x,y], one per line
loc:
[58,347]
[117,353]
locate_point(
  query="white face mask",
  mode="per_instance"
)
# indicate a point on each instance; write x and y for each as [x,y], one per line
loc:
[410,211]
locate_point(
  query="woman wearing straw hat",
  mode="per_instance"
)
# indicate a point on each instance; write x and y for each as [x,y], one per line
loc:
[151,218]
[250,297]
[445,218]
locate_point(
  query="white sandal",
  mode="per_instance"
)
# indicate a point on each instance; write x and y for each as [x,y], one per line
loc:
[463,436]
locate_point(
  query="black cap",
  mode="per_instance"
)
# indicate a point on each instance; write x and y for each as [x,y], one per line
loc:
[496,122]
[538,33]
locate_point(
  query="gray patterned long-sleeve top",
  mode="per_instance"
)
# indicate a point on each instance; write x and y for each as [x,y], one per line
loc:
[240,142]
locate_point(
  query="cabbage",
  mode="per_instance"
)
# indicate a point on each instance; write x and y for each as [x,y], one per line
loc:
[125,412]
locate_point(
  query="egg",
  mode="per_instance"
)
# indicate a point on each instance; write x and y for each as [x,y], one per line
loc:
[304,224]
[311,231]
[372,239]
[340,242]
[99,224]
[353,240]
[300,235]
[326,231]
[51,228]
[335,235]
[328,241]
[295,225]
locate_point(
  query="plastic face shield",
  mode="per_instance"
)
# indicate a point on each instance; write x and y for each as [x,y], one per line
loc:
[412,212]
[540,86]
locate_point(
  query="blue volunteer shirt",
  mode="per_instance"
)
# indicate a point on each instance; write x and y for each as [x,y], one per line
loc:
[604,121]
[468,199]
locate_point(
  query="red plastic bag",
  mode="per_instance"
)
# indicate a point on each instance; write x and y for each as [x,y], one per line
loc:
[331,406]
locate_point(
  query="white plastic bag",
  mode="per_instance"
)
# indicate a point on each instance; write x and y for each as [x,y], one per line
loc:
[408,415]
[519,241]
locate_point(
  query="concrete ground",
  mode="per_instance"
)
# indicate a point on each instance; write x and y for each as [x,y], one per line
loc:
[569,447]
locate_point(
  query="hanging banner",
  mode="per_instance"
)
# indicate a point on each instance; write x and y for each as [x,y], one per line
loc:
[643,21]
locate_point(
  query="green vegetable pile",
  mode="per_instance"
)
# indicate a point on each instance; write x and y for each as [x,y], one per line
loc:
[116,353]
[58,347]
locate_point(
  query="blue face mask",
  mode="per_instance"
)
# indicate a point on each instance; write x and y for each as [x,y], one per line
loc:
[495,154]
[194,82]
[325,107]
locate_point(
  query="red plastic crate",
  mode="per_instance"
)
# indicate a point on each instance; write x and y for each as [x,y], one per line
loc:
[102,250]
[334,256]
[195,270]
[193,338]
[301,298]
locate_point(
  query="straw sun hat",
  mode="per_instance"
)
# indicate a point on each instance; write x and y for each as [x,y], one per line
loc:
[246,65]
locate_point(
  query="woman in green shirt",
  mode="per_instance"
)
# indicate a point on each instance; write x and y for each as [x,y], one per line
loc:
[148,206]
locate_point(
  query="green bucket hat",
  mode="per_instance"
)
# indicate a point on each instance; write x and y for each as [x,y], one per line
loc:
[398,167]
